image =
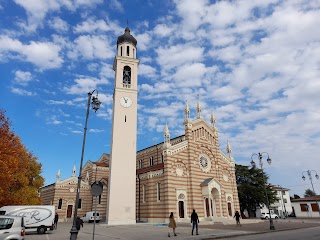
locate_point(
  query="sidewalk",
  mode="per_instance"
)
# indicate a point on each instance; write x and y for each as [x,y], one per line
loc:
[146,231]
[249,228]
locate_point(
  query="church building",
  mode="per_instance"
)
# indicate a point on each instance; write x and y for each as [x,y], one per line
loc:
[177,175]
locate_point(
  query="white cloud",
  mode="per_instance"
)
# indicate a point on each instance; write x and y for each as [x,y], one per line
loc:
[55,102]
[192,12]
[76,132]
[96,130]
[92,25]
[143,40]
[37,10]
[92,67]
[115,4]
[189,75]
[44,55]
[58,24]
[22,78]
[105,99]
[21,92]
[163,30]
[92,47]
[106,72]
[83,85]
[178,55]
[146,70]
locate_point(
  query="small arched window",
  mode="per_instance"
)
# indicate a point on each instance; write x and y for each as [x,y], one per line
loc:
[158,192]
[128,51]
[133,53]
[126,77]
[120,51]
[140,163]
[60,203]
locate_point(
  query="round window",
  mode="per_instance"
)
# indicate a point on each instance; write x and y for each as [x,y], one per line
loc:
[205,163]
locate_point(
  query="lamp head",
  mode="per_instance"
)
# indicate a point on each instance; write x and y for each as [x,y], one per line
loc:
[269,160]
[95,103]
[317,176]
[253,164]
[304,178]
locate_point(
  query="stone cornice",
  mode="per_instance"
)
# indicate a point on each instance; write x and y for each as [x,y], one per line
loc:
[151,174]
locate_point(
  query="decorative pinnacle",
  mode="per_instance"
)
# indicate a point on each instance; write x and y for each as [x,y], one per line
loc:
[199,109]
[187,110]
[229,150]
[166,130]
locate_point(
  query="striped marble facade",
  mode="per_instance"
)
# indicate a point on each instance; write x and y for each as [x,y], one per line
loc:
[185,173]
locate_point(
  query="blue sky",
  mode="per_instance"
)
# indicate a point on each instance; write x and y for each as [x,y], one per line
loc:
[255,64]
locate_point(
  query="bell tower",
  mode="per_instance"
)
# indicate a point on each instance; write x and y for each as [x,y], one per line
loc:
[121,205]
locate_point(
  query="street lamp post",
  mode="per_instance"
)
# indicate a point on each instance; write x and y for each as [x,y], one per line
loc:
[95,106]
[253,164]
[309,172]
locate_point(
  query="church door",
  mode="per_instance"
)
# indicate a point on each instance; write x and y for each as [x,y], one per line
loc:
[207,207]
[229,209]
[181,209]
[69,211]
[211,206]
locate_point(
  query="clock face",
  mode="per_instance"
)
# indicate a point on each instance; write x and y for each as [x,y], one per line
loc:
[125,102]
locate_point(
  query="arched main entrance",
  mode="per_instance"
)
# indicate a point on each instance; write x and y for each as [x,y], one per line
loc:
[211,197]
[181,204]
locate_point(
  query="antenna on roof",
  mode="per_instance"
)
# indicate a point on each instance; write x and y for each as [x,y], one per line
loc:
[127,22]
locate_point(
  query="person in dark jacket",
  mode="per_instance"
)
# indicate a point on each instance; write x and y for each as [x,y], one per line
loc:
[237,216]
[56,219]
[79,223]
[194,221]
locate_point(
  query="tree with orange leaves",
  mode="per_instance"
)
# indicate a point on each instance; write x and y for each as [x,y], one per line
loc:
[20,177]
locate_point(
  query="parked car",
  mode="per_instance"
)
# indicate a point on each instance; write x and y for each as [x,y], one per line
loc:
[89,217]
[267,216]
[11,228]
[36,218]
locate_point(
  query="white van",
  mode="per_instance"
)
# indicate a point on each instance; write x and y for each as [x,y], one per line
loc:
[39,218]
[89,217]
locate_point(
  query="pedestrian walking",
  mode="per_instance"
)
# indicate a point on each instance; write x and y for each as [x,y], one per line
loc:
[172,224]
[195,221]
[79,223]
[237,216]
[56,219]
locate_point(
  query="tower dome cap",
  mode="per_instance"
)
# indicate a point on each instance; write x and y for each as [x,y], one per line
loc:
[127,37]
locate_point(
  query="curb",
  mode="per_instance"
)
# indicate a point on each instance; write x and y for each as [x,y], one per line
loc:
[256,233]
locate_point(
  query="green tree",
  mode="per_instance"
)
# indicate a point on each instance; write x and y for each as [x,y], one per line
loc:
[20,177]
[252,187]
[295,196]
[309,193]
